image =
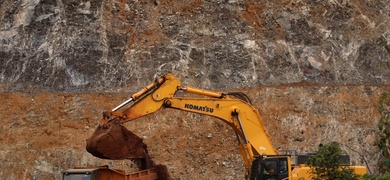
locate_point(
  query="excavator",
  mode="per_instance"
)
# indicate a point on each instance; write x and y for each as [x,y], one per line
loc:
[261,159]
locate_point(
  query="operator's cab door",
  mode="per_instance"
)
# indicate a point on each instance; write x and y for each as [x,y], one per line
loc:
[272,168]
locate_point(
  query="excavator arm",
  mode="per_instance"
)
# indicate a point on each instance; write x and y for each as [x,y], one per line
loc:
[232,108]
[146,101]
[241,116]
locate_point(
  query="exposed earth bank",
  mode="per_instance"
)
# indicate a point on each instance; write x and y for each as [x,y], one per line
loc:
[45,133]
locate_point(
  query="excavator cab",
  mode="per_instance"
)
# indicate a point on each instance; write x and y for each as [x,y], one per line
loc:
[270,168]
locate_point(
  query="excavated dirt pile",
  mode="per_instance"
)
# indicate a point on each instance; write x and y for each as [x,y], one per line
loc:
[113,141]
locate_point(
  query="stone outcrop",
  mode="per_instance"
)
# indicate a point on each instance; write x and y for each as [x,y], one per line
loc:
[113,45]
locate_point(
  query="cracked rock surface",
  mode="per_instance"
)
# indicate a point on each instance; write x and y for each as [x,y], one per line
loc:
[117,46]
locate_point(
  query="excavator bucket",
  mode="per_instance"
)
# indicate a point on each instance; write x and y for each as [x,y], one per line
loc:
[114,141]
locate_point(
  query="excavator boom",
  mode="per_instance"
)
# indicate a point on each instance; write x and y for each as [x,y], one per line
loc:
[232,108]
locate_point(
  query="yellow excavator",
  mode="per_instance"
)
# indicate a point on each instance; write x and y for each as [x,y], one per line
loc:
[260,158]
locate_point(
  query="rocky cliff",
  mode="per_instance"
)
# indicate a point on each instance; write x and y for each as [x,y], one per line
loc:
[314,69]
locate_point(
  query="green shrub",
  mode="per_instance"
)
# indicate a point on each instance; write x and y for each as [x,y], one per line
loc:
[383,142]
[326,164]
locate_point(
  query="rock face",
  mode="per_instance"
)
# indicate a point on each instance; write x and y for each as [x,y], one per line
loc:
[314,69]
[120,45]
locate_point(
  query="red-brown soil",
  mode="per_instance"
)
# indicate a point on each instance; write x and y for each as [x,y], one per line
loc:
[45,133]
